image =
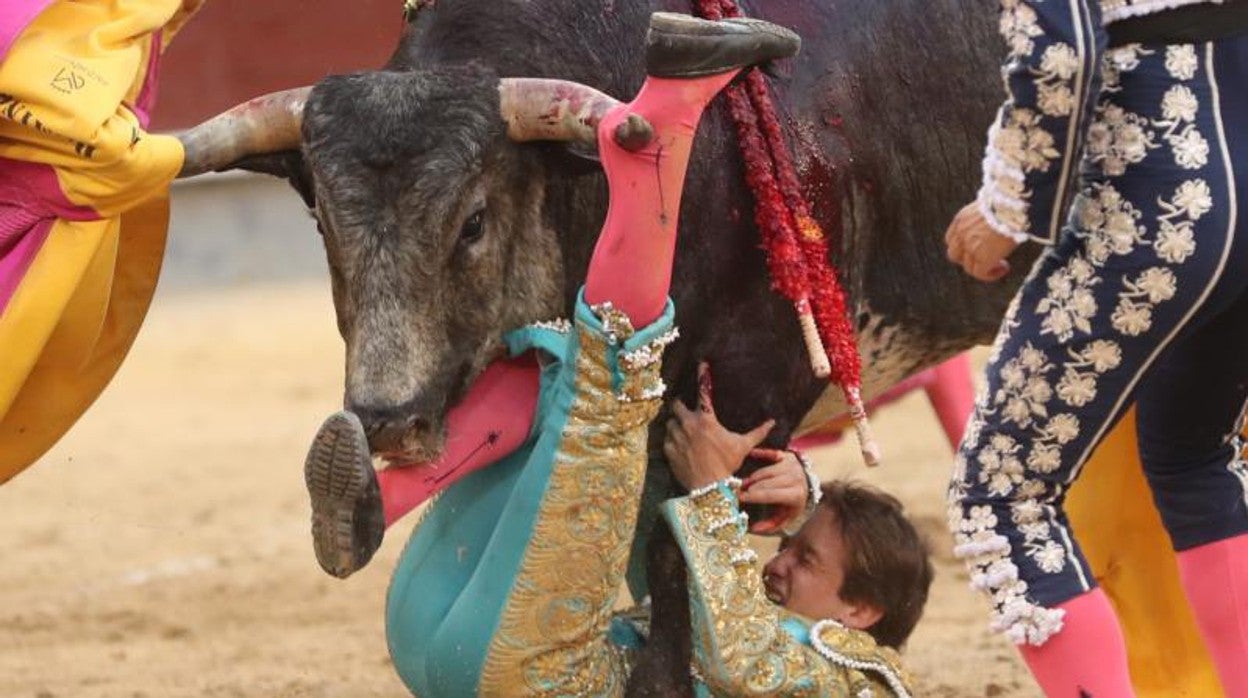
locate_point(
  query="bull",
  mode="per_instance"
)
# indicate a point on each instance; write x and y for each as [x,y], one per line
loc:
[442,232]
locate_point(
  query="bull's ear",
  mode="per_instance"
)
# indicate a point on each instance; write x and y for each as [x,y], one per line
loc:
[287,164]
[570,159]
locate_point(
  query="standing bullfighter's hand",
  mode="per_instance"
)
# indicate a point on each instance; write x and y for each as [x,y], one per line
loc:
[976,247]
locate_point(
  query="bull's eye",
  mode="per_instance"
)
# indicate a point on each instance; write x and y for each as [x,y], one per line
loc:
[473,228]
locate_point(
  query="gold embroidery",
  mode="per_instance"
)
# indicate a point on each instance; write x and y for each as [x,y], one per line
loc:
[552,637]
[876,667]
[740,647]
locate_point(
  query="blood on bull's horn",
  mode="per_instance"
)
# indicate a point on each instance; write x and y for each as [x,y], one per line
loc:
[537,109]
[267,124]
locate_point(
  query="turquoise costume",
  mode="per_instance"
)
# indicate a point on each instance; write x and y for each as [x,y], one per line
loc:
[509,584]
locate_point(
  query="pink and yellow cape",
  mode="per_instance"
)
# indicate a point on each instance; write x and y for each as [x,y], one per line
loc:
[83,204]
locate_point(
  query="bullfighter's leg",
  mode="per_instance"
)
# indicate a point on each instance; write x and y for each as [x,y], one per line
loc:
[1148,261]
[507,588]
[352,504]
[632,262]
[1195,458]
[631,267]
[1190,416]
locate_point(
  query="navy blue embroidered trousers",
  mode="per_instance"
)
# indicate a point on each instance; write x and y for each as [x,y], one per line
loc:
[1141,299]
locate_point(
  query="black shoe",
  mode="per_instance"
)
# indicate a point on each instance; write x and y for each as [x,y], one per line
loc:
[681,46]
[347,519]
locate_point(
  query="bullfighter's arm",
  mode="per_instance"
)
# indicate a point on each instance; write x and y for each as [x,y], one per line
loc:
[740,645]
[1052,77]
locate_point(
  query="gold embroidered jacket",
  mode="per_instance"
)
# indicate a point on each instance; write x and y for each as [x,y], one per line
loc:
[743,645]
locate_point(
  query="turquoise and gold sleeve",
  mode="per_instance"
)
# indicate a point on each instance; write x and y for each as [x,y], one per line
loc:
[1052,77]
[741,646]
[553,634]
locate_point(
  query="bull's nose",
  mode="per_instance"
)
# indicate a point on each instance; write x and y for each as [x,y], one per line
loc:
[391,429]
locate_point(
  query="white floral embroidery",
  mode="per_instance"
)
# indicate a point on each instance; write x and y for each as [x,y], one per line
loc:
[1031,489]
[1103,355]
[1070,304]
[1019,25]
[1045,458]
[1179,104]
[1118,61]
[1193,198]
[1079,377]
[987,555]
[1076,389]
[1179,107]
[1000,468]
[1175,244]
[1191,150]
[1024,144]
[1134,314]
[1181,61]
[1023,393]
[1132,319]
[1158,283]
[1050,557]
[1063,428]
[1176,239]
[1054,80]
[980,518]
[1117,138]
[1109,223]
[1012,464]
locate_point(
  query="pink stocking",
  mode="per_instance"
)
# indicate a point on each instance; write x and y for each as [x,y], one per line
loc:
[1088,657]
[632,263]
[1215,577]
[631,267]
[953,396]
[492,420]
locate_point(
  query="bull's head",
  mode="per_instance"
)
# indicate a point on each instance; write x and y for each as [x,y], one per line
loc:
[431,211]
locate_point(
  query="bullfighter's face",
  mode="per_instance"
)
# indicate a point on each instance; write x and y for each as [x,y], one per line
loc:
[807,574]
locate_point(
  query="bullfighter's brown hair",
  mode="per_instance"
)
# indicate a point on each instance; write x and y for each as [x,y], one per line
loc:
[887,562]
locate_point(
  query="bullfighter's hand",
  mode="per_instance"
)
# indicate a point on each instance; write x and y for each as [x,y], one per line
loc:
[781,484]
[699,449]
[977,247]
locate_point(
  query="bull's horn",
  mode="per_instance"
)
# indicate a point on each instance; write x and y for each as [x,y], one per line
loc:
[558,110]
[267,124]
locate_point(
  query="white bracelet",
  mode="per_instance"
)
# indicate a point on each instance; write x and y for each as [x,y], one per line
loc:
[730,482]
[814,486]
[814,494]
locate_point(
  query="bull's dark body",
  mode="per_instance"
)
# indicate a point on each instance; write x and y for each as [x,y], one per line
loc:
[887,107]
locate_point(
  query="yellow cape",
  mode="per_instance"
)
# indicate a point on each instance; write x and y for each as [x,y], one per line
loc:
[76,77]
[1112,512]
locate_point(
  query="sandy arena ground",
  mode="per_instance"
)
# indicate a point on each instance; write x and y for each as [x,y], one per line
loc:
[162,549]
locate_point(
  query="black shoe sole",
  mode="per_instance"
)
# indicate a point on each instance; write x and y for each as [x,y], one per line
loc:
[347,521]
[682,46]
